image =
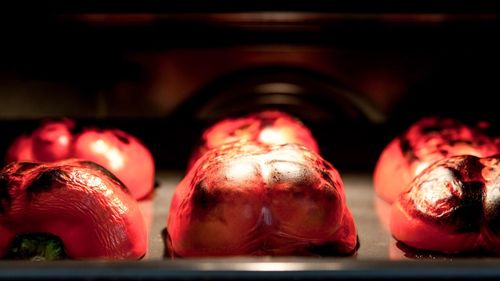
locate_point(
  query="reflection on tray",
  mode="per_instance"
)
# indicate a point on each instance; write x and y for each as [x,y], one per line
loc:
[314,251]
[400,251]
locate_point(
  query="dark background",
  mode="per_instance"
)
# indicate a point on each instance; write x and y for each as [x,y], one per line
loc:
[362,70]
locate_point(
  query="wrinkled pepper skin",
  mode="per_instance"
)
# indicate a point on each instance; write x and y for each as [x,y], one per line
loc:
[428,140]
[453,206]
[267,127]
[82,203]
[254,199]
[122,154]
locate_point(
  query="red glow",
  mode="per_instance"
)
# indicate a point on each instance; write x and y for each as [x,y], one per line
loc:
[267,127]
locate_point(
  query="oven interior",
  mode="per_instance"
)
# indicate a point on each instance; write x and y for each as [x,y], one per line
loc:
[355,73]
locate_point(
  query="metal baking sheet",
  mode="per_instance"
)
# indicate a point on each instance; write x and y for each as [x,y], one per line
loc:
[378,258]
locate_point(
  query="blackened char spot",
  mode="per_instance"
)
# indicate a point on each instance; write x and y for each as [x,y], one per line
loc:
[332,249]
[431,129]
[121,137]
[406,149]
[405,145]
[326,176]
[43,182]
[25,166]
[326,165]
[105,171]
[328,192]
[455,142]
[5,198]
[203,200]
[443,152]
[468,168]
[470,211]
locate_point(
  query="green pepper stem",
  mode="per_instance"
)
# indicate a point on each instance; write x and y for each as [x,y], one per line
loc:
[36,247]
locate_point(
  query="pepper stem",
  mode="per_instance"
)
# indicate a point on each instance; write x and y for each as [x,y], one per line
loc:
[36,247]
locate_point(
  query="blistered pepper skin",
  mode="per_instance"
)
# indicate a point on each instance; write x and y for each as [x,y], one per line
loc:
[82,203]
[119,152]
[253,199]
[267,127]
[428,140]
[453,206]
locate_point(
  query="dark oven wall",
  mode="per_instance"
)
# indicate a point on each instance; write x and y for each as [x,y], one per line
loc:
[357,78]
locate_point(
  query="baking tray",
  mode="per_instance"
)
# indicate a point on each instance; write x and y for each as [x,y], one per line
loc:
[379,256]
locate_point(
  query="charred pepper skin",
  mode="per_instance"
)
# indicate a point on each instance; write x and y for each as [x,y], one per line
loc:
[119,152]
[254,199]
[453,206]
[80,202]
[428,140]
[269,127]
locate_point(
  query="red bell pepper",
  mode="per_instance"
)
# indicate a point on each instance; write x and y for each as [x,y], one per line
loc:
[266,127]
[425,142]
[255,199]
[122,154]
[78,204]
[453,206]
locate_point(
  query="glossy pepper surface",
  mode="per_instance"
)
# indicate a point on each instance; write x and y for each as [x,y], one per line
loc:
[119,152]
[78,201]
[267,127]
[254,199]
[428,140]
[453,206]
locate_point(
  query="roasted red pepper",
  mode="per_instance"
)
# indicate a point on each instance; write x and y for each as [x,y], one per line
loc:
[453,206]
[254,199]
[425,142]
[79,202]
[266,127]
[122,154]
